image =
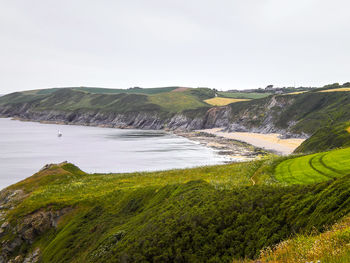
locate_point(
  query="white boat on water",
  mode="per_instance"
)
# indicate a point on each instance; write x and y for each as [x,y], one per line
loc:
[59,134]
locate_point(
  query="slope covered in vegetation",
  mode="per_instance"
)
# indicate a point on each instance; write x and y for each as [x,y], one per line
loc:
[327,138]
[181,108]
[208,214]
[331,246]
[120,101]
[303,113]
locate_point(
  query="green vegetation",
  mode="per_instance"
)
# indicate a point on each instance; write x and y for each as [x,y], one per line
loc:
[331,246]
[176,101]
[314,168]
[220,213]
[134,90]
[163,101]
[300,114]
[206,214]
[243,95]
[327,138]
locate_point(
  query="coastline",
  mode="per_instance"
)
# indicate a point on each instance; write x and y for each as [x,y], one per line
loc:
[237,146]
[234,150]
[270,142]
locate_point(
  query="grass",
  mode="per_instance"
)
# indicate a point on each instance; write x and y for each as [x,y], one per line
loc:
[176,101]
[161,101]
[218,101]
[295,93]
[329,247]
[334,90]
[94,90]
[327,138]
[314,168]
[211,213]
[243,95]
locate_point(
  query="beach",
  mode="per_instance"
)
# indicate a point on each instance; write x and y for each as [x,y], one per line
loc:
[270,141]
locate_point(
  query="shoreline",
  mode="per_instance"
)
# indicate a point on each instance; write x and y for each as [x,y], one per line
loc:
[271,142]
[237,146]
[234,150]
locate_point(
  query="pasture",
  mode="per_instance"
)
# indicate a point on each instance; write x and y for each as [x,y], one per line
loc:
[243,95]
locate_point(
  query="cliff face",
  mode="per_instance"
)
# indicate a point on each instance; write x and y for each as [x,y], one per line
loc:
[260,116]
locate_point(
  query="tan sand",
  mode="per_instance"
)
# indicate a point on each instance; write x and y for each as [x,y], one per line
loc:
[269,141]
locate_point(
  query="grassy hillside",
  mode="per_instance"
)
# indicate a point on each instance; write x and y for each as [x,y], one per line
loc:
[331,246]
[315,167]
[327,138]
[300,113]
[208,214]
[161,100]
[94,90]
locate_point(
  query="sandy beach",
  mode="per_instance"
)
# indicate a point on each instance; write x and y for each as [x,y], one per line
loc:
[269,141]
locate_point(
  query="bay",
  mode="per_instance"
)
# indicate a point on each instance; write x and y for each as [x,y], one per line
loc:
[25,147]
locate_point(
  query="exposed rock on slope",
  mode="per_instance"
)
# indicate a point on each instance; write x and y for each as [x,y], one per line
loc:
[293,115]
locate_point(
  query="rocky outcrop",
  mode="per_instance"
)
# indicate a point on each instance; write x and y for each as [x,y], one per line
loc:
[26,230]
[260,116]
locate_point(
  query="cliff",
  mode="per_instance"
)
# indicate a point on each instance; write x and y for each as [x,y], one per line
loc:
[297,115]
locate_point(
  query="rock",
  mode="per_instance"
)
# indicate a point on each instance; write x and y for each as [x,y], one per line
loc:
[5,224]
[19,258]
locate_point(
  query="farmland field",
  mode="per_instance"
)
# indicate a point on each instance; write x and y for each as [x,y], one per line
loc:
[243,95]
[332,90]
[223,101]
[314,168]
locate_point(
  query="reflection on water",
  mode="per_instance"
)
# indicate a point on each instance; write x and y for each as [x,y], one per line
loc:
[25,147]
[135,134]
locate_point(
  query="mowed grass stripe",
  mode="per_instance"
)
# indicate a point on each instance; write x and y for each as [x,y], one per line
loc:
[316,164]
[314,168]
[283,172]
[339,160]
[307,173]
[323,162]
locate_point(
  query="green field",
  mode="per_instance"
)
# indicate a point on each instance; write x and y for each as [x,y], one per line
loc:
[94,90]
[243,95]
[314,168]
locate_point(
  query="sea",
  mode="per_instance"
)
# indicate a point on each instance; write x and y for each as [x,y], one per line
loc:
[25,147]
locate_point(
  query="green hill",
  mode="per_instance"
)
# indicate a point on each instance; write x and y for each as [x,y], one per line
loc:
[327,138]
[303,113]
[161,100]
[299,114]
[207,214]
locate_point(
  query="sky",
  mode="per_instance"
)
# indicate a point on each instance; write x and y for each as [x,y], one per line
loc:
[222,44]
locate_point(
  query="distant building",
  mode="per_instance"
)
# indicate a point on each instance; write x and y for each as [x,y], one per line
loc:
[269,87]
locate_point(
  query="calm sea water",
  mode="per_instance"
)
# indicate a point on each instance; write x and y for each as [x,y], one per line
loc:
[25,147]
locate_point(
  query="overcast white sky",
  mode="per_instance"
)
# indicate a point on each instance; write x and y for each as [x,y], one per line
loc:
[223,44]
